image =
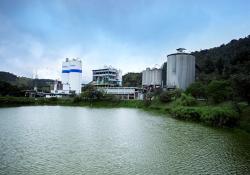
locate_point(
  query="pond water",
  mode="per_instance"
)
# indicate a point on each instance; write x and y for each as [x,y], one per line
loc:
[78,140]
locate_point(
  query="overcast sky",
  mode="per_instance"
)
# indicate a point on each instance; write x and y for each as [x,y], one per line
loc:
[127,34]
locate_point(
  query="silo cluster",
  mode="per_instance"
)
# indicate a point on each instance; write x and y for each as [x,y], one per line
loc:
[177,72]
[72,75]
[152,77]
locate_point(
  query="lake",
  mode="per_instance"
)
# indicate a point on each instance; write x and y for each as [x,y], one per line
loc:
[79,140]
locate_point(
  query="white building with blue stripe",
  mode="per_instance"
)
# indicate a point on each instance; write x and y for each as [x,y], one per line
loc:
[72,75]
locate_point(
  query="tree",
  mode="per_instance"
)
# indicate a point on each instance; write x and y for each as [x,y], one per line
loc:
[220,65]
[91,93]
[219,91]
[241,84]
[209,66]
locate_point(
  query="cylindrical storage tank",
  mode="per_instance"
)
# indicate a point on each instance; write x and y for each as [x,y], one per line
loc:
[143,78]
[152,75]
[65,72]
[158,76]
[148,76]
[75,75]
[180,70]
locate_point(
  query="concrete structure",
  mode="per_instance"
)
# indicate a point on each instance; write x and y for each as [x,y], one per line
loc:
[108,77]
[124,93]
[180,69]
[72,76]
[152,77]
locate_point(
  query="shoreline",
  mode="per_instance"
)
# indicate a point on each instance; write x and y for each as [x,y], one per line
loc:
[214,116]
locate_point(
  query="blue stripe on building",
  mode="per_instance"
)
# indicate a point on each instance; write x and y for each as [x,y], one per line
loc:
[76,70]
[72,70]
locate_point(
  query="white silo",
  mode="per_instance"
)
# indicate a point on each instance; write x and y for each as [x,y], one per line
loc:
[143,78]
[65,74]
[151,77]
[75,75]
[148,76]
[180,69]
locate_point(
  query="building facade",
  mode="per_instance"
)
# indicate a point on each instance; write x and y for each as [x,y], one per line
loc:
[107,77]
[124,93]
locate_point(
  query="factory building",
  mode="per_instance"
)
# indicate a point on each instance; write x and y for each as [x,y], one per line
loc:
[180,69]
[124,93]
[152,77]
[72,76]
[107,77]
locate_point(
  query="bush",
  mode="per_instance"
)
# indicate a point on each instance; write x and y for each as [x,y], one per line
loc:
[216,116]
[197,90]
[77,99]
[219,116]
[187,113]
[185,100]
[110,97]
[165,96]
[168,96]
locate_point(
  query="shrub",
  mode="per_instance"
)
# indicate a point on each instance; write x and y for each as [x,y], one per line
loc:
[197,90]
[147,102]
[185,100]
[168,96]
[110,97]
[216,116]
[187,113]
[165,97]
[219,116]
[77,99]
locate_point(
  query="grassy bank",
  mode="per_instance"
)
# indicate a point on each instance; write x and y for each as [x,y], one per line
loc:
[221,115]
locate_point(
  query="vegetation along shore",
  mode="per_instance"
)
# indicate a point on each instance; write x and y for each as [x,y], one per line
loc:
[177,104]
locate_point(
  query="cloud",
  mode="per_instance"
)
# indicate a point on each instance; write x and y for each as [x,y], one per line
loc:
[129,35]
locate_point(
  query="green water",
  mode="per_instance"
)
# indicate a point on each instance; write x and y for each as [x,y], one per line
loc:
[76,140]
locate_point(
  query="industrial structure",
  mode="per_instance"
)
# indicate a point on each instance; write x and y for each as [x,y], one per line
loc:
[71,76]
[177,72]
[180,69]
[107,77]
[124,93]
[152,77]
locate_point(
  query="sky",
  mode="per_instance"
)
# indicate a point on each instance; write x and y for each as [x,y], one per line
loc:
[37,35]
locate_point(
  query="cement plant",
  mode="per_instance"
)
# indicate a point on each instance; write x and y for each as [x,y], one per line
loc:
[178,74]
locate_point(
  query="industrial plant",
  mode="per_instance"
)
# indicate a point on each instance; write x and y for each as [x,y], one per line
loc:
[177,72]
[107,77]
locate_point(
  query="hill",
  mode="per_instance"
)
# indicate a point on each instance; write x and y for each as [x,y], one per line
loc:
[25,83]
[225,60]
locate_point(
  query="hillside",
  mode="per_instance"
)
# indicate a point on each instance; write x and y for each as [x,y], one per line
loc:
[226,59]
[25,83]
